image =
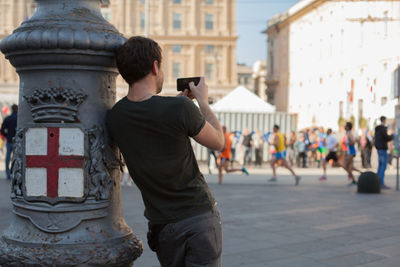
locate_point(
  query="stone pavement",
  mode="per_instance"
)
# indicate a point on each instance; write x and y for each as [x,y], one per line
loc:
[314,224]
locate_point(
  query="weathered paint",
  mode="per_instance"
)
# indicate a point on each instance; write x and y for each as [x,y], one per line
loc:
[36,141]
[70,182]
[36,182]
[71,142]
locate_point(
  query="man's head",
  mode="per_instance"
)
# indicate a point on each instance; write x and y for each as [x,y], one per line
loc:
[14,108]
[224,129]
[329,131]
[276,128]
[138,58]
[348,126]
[383,120]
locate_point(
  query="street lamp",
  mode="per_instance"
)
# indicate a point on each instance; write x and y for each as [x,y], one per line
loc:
[65,191]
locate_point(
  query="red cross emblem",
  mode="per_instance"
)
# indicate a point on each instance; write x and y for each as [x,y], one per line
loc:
[54,154]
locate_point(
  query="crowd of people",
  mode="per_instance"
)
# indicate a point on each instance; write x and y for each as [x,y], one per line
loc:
[311,147]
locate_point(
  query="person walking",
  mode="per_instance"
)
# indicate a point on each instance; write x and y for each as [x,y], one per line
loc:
[8,129]
[381,143]
[258,147]
[301,150]
[331,143]
[291,148]
[348,163]
[224,158]
[365,147]
[247,145]
[153,134]
[280,155]
[210,153]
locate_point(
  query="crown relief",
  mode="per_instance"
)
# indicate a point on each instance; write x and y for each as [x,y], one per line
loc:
[55,104]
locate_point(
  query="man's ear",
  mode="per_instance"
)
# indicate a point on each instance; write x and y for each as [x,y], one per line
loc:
[156,67]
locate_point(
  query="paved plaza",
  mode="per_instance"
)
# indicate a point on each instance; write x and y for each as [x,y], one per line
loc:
[314,224]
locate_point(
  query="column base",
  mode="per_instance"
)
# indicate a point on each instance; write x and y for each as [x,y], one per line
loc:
[116,252]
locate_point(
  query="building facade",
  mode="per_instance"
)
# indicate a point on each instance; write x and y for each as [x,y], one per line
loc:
[198,38]
[245,76]
[332,61]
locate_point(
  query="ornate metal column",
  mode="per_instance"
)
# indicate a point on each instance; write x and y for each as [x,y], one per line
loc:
[65,190]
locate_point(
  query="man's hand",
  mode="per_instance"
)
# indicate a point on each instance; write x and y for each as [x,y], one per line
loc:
[199,91]
[186,93]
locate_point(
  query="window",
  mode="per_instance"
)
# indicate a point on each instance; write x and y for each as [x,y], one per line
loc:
[209,21]
[177,21]
[176,69]
[142,1]
[210,49]
[209,2]
[209,70]
[142,20]
[177,48]
[177,1]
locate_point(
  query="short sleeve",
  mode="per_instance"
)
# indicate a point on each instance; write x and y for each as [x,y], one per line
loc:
[193,120]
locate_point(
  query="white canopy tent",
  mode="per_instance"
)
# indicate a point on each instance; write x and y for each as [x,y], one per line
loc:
[242,100]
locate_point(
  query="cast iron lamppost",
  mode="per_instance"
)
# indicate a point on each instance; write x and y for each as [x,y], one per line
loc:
[65,191]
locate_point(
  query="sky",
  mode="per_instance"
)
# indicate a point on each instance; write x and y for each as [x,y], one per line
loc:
[252,17]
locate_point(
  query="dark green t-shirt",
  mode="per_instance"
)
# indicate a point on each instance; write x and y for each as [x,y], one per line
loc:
[153,136]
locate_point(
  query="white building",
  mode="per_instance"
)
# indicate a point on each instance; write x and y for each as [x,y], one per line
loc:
[334,59]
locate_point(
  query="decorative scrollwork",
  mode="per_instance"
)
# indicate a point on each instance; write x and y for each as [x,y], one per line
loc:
[100,180]
[16,164]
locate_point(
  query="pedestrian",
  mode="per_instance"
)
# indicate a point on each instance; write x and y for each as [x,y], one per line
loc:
[302,150]
[210,153]
[258,148]
[331,144]
[348,163]
[321,150]
[247,145]
[8,129]
[291,148]
[381,143]
[279,157]
[235,138]
[153,134]
[366,147]
[225,156]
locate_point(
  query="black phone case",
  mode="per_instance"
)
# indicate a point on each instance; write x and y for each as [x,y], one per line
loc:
[183,83]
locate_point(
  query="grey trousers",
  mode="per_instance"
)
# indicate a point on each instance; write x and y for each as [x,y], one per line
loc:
[192,242]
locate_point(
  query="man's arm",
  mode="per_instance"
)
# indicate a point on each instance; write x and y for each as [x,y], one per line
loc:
[4,127]
[211,134]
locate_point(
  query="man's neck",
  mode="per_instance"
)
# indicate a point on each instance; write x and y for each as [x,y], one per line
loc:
[141,91]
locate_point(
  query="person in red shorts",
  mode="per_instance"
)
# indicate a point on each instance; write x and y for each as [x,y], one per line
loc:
[224,158]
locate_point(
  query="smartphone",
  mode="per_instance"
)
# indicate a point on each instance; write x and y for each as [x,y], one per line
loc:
[183,83]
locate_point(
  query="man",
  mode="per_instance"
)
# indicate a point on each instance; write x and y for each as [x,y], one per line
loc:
[381,140]
[225,156]
[153,133]
[247,144]
[348,162]
[8,129]
[331,143]
[280,155]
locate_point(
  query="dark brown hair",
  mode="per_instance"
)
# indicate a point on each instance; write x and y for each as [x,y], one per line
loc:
[135,58]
